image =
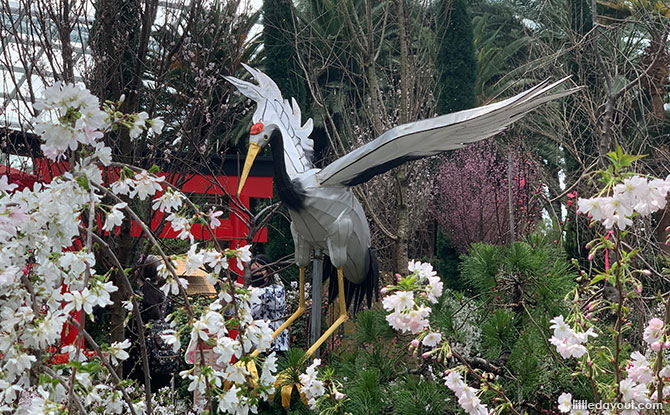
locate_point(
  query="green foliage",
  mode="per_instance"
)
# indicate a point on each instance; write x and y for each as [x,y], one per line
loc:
[498,333]
[365,395]
[521,287]
[501,44]
[447,262]
[536,268]
[281,61]
[480,266]
[416,396]
[456,58]
[371,326]
[280,241]
[375,347]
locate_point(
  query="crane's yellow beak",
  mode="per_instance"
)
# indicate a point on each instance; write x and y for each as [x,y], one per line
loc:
[254,149]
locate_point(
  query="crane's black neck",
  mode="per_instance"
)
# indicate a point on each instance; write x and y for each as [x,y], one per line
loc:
[290,192]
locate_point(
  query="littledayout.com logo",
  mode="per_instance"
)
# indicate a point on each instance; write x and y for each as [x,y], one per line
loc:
[582,407]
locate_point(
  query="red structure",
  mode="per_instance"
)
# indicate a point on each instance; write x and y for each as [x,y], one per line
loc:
[18,177]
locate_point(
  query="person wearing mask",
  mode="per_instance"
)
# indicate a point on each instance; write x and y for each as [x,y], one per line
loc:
[272,306]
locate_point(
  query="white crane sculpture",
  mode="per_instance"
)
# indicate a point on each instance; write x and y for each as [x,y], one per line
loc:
[324,212]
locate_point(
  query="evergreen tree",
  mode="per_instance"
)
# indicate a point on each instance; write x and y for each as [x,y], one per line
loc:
[281,62]
[457,71]
[455,62]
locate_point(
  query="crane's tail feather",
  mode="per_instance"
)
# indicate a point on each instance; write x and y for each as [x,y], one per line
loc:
[355,294]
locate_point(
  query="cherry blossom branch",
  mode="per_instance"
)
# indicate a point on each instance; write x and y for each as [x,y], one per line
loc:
[106,362]
[76,399]
[186,199]
[170,268]
[485,381]
[87,275]
[137,315]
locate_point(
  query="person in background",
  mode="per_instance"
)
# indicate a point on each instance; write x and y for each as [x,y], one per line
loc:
[153,303]
[154,306]
[273,300]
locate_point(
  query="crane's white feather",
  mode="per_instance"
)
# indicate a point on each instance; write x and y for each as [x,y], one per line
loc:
[433,136]
[273,108]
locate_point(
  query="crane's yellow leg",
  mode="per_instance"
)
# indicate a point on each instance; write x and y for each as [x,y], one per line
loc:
[301,306]
[300,311]
[341,319]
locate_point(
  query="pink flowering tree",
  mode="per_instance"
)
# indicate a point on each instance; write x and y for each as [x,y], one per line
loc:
[471,200]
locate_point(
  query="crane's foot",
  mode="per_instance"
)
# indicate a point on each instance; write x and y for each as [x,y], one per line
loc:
[341,319]
[287,380]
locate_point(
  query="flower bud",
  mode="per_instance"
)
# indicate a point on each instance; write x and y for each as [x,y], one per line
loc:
[647,272]
[590,257]
[414,343]
[666,345]
[589,315]
[425,355]
[656,346]
[339,396]
[383,291]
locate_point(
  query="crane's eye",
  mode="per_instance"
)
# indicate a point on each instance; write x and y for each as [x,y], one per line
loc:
[265,137]
[256,128]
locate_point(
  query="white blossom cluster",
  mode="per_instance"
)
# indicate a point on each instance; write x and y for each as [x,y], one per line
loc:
[568,342]
[653,334]
[43,280]
[142,185]
[37,231]
[467,396]
[409,307]
[107,399]
[312,387]
[238,397]
[408,314]
[634,195]
[636,388]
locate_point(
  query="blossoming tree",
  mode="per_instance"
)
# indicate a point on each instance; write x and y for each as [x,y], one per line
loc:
[38,231]
[472,195]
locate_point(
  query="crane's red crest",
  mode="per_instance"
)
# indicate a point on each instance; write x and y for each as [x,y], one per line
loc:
[256,128]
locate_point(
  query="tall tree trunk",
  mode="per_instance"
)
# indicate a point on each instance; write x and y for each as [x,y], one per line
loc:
[657,59]
[119,40]
[510,197]
[401,173]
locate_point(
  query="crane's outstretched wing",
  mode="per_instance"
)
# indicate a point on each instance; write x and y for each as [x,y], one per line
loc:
[433,136]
